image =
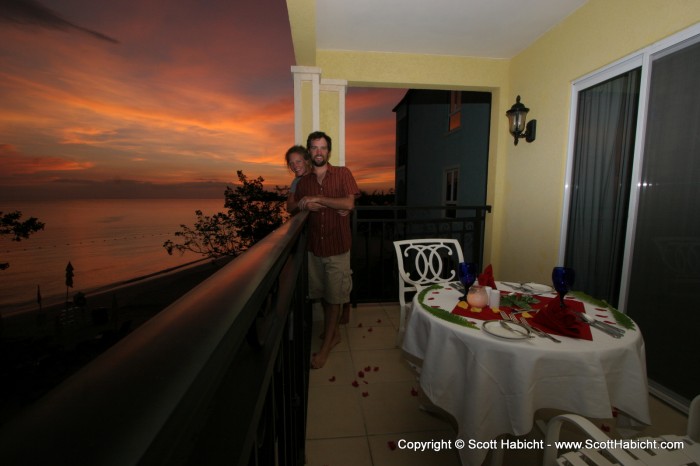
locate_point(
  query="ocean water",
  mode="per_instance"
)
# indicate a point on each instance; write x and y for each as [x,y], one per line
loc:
[106,241]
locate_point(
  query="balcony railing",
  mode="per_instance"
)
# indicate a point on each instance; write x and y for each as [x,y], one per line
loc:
[374,228]
[218,377]
[221,375]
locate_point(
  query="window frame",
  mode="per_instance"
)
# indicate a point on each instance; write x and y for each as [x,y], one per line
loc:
[450,190]
[454,111]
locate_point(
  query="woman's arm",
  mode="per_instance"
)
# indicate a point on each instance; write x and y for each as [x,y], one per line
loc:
[292,204]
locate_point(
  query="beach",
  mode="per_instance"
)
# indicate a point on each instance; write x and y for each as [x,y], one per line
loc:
[107,241]
[39,349]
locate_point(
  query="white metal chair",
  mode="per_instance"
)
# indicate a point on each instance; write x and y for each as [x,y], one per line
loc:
[424,262]
[638,451]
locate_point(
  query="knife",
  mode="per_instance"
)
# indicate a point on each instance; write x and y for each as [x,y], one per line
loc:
[602,326]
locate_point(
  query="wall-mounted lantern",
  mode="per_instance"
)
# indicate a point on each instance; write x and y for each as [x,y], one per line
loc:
[516,122]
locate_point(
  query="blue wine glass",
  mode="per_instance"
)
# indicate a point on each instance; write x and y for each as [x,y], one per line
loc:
[563,280]
[467,275]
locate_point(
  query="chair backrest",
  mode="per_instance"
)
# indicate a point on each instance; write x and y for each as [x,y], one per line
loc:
[423,262]
[694,420]
[679,451]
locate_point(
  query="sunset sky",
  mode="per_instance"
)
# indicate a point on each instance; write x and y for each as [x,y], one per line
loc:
[160,98]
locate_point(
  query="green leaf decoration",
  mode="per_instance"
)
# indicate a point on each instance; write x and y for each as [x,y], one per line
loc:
[620,318]
[520,301]
[441,313]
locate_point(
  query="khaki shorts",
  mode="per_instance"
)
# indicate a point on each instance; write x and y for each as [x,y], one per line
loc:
[330,278]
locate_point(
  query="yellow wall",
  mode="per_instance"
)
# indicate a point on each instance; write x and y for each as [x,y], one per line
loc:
[373,69]
[601,32]
[526,181]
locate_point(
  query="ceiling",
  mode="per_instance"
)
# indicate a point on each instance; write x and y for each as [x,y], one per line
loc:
[475,28]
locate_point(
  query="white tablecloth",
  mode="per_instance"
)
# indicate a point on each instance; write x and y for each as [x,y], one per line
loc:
[494,386]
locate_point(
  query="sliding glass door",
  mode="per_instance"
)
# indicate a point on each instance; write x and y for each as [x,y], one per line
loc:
[606,124]
[664,292]
[631,226]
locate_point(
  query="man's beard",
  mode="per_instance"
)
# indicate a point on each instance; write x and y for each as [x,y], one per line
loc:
[319,164]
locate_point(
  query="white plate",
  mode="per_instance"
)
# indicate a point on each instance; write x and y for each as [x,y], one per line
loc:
[538,288]
[494,327]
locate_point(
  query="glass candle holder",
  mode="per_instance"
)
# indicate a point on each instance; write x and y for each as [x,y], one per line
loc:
[477,296]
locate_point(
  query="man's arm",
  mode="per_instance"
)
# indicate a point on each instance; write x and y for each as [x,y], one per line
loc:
[318,202]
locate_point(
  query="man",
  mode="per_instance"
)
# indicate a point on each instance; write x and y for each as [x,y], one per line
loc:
[325,192]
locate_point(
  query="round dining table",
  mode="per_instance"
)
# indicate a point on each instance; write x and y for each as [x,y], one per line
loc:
[493,380]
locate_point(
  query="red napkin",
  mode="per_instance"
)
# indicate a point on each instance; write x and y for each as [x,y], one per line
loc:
[486,277]
[552,318]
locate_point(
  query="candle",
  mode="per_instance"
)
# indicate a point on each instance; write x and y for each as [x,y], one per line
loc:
[477,296]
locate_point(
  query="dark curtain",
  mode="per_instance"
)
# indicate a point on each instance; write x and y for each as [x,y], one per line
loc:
[600,189]
[665,271]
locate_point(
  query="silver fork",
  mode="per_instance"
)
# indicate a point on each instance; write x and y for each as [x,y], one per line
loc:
[536,331]
[505,317]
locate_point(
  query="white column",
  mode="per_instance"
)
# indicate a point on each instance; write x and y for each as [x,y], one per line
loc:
[337,89]
[306,104]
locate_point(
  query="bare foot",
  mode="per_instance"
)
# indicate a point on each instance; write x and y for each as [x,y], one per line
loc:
[319,359]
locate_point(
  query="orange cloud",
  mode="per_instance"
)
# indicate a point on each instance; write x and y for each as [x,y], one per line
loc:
[14,163]
[184,98]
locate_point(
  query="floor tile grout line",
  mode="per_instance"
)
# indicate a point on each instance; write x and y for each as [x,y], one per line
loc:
[356,363]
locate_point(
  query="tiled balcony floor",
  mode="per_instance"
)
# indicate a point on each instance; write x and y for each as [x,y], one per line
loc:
[366,399]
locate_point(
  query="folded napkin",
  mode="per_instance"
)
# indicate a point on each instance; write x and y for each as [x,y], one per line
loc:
[486,277]
[552,318]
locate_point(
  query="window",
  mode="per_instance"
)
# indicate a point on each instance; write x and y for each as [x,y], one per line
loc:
[451,182]
[455,110]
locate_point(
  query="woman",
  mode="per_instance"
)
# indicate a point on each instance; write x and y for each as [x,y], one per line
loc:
[299,162]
